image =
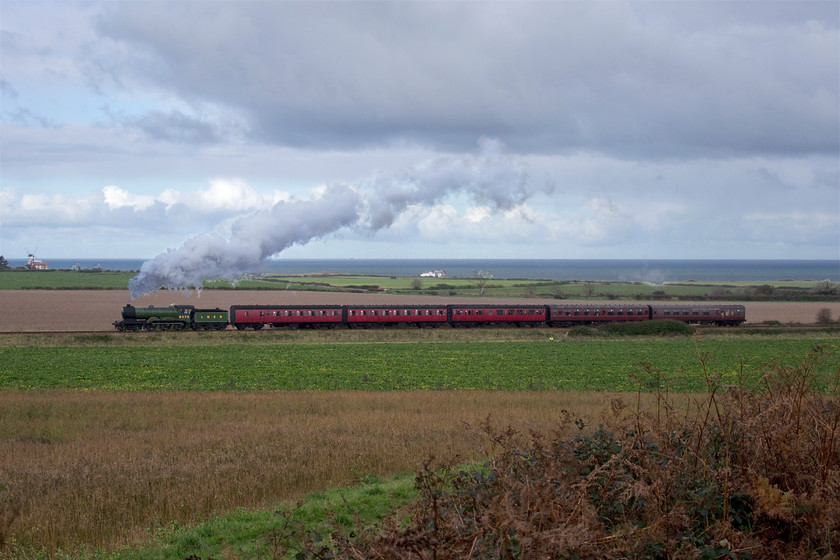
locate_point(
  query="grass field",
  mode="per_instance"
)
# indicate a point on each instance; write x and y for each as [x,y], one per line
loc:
[63,279]
[66,279]
[579,365]
[104,469]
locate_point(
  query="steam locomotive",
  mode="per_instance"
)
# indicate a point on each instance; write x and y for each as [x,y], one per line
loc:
[187,317]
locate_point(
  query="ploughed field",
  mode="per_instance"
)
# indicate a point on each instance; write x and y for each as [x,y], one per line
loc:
[96,310]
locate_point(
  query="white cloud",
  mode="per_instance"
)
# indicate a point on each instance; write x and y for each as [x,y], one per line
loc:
[229,195]
[437,224]
[477,213]
[116,197]
[169,197]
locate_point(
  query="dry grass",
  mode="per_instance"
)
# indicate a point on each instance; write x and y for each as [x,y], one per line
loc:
[101,469]
[746,472]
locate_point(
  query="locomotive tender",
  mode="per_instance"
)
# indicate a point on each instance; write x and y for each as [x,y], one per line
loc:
[187,317]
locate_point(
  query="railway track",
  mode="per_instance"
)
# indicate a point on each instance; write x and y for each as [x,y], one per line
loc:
[747,328]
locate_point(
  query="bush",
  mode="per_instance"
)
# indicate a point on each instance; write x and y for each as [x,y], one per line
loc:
[740,473]
[641,328]
[649,328]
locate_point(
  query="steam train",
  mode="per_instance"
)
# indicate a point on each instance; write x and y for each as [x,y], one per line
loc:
[187,317]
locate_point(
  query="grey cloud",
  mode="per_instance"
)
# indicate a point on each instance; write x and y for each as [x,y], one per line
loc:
[30,118]
[175,126]
[8,90]
[637,79]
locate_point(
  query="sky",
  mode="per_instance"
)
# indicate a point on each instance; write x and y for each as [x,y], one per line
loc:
[232,132]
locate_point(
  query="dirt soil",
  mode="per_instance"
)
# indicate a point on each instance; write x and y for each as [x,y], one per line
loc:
[96,310]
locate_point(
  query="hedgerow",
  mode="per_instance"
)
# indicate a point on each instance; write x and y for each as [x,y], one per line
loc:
[741,472]
[640,328]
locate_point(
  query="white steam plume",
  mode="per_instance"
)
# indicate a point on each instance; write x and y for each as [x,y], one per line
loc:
[491,177]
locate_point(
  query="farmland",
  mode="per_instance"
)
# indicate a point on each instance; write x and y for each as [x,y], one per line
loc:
[547,364]
[108,439]
[103,427]
[467,287]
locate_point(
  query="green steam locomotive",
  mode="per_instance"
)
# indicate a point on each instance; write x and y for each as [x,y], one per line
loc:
[172,318]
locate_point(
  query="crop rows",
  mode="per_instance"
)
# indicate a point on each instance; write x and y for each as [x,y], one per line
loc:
[549,365]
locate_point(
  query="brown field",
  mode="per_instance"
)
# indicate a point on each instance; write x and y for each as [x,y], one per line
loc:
[101,469]
[96,310]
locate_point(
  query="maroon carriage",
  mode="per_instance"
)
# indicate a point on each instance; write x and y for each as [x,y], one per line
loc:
[395,315]
[514,315]
[291,316]
[596,313]
[724,315]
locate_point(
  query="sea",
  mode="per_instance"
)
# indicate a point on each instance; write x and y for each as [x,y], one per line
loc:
[656,271]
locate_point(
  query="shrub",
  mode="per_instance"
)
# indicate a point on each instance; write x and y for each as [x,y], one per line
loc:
[824,316]
[737,473]
[649,328]
[641,328]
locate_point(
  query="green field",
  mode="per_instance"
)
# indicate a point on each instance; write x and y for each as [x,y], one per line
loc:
[63,280]
[67,279]
[578,365]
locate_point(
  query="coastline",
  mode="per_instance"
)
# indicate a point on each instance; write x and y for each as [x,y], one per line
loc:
[657,271]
